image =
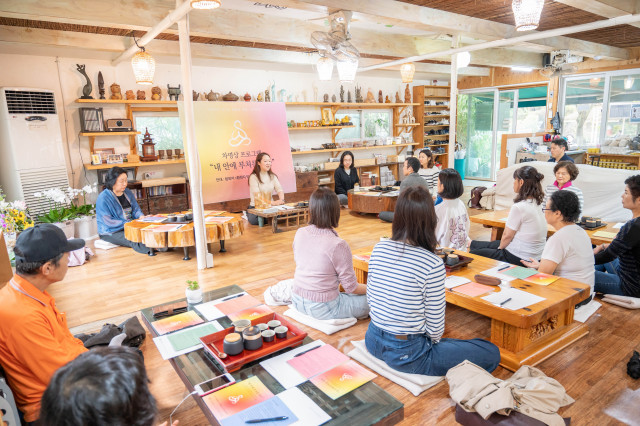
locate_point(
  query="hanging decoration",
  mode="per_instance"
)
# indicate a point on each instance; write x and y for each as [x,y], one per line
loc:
[407,71]
[464,59]
[205,4]
[144,66]
[325,68]
[527,13]
[347,70]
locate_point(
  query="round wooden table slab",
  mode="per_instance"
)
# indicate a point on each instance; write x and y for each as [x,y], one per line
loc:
[362,203]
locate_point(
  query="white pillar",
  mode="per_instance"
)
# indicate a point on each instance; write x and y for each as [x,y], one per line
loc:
[205,259]
[453,101]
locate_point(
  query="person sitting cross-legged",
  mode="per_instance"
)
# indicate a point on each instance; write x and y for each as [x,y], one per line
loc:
[411,179]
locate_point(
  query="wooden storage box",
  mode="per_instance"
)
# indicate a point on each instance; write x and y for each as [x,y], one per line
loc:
[331,165]
[360,162]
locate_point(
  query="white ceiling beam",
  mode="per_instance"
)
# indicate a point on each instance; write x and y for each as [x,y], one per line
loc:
[424,18]
[105,47]
[609,9]
[622,20]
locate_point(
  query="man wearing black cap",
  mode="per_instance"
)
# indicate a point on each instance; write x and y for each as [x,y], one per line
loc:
[34,338]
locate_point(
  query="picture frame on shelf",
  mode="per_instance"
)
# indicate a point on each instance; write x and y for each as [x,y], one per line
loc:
[104,153]
[326,114]
[96,159]
[114,159]
[91,120]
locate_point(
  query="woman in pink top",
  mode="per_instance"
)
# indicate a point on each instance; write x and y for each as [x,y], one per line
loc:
[323,262]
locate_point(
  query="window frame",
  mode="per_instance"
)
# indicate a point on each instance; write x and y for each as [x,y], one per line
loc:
[361,113]
[150,111]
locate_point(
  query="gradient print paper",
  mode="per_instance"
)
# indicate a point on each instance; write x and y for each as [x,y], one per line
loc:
[229,135]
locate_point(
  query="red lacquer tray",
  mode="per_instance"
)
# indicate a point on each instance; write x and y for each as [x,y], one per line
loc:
[464,261]
[231,363]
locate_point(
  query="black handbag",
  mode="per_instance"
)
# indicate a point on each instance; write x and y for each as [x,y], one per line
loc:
[134,330]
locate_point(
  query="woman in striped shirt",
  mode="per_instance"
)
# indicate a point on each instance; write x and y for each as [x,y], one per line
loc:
[405,290]
[428,170]
[566,172]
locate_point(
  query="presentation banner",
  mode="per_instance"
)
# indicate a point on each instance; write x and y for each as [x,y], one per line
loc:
[229,137]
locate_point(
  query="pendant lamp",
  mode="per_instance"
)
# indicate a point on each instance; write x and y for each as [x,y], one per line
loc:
[325,68]
[144,66]
[205,4]
[407,71]
[527,13]
[347,70]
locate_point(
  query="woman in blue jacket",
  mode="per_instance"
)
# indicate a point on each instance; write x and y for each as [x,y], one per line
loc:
[116,206]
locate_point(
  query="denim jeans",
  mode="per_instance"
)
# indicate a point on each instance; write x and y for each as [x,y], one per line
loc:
[607,279]
[419,355]
[344,306]
[252,218]
[344,199]
[118,239]
[386,216]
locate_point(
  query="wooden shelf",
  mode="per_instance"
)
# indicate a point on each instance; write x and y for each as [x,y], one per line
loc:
[109,133]
[350,104]
[123,101]
[436,115]
[437,144]
[315,151]
[441,154]
[436,136]
[436,97]
[436,125]
[437,87]
[320,127]
[437,106]
[406,125]
[90,166]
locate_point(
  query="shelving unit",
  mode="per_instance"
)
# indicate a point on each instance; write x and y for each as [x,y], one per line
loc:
[421,112]
[335,151]
[166,195]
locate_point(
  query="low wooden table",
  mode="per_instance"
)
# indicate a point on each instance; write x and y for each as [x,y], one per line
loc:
[526,336]
[497,219]
[292,218]
[371,202]
[184,237]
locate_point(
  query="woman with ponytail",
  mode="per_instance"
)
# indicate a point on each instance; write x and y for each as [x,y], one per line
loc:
[525,232]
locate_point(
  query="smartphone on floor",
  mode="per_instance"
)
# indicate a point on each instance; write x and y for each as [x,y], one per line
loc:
[214,384]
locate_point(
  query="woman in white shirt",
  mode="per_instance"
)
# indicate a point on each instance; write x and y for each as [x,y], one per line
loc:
[453,225]
[525,232]
[263,181]
[568,252]
[428,170]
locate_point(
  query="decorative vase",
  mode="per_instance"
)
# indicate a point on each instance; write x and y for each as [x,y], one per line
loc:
[247,97]
[86,227]
[193,296]
[230,97]
[67,227]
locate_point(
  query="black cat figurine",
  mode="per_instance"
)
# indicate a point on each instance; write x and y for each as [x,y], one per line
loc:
[86,90]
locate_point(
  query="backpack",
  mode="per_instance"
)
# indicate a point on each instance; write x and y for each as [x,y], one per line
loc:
[476,194]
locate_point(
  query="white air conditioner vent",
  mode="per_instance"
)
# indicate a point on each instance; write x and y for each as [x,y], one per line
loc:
[38,181]
[28,102]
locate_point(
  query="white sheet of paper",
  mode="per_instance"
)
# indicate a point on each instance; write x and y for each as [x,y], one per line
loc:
[280,369]
[618,225]
[209,309]
[584,312]
[519,299]
[166,349]
[493,272]
[307,411]
[454,281]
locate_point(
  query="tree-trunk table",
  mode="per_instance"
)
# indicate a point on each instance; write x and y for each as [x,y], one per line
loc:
[184,237]
[371,202]
[291,218]
[497,220]
[524,336]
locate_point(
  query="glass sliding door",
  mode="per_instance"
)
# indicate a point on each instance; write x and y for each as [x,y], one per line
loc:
[475,132]
[583,102]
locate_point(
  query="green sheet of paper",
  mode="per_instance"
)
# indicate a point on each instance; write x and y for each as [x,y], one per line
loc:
[190,337]
[519,272]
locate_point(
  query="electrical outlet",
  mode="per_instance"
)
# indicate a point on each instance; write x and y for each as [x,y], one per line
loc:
[149,175]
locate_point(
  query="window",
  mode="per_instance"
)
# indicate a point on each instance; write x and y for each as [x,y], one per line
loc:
[532,107]
[164,129]
[583,110]
[369,125]
[623,94]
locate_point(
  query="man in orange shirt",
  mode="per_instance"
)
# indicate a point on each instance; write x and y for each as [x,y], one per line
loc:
[34,338]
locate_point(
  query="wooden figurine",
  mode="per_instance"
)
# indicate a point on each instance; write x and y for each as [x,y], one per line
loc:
[387,100]
[341,93]
[101,85]
[349,96]
[333,98]
[141,96]
[326,97]
[260,98]
[380,99]
[407,95]
[196,95]
[129,95]
[116,95]
[359,95]
[398,100]
[156,94]
[370,98]
[86,90]
[267,98]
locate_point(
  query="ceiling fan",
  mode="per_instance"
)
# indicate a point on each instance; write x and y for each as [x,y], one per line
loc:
[335,44]
[558,63]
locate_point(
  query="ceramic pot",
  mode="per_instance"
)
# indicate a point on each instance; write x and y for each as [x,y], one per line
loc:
[233,344]
[273,324]
[193,296]
[247,97]
[268,335]
[252,337]
[281,332]
[230,97]
[67,227]
[86,227]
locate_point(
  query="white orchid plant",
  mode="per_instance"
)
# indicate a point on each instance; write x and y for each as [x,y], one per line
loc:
[66,204]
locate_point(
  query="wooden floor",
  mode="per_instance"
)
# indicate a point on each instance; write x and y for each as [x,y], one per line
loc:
[118,282]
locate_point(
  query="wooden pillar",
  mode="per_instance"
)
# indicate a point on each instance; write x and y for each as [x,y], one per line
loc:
[204,258]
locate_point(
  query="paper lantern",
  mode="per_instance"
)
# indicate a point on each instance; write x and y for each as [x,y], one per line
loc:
[527,13]
[325,68]
[407,71]
[144,66]
[347,71]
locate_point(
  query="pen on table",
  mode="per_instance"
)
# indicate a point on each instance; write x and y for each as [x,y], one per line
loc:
[504,301]
[232,297]
[308,350]
[271,419]
[504,267]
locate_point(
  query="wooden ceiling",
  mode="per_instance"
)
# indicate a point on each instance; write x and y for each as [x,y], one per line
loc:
[554,15]
[279,31]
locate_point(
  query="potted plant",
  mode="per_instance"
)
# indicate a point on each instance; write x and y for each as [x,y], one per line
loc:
[83,213]
[193,292]
[60,213]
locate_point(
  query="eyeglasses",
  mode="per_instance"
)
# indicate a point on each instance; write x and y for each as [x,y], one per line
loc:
[545,209]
